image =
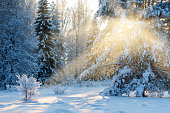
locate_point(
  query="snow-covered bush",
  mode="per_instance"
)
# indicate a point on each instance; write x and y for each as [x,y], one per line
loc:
[120,82]
[139,75]
[28,86]
[59,89]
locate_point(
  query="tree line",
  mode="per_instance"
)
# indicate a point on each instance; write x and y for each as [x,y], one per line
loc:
[67,44]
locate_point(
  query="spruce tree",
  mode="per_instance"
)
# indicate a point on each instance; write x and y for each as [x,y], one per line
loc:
[94,32]
[143,68]
[60,48]
[48,33]
[91,45]
[91,50]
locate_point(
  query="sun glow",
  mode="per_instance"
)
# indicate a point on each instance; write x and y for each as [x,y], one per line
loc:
[119,37]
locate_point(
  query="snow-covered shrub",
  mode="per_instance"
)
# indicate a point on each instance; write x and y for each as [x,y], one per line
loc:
[146,84]
[119,82]
[28,86]
[139,75]
[150,84]
[59,89]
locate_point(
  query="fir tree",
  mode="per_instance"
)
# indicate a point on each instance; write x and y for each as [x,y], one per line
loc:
[48,33]
[60,48]
[139,71]
[94,32]
[92,53]
[55,18]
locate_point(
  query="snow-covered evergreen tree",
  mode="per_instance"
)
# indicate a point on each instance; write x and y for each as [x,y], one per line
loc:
[60,48]
[142,83]
[111,8]
[105,8]
[28,86]
[16,39]
[139,65]
[160,11]
[51,49]
[91,51]
[141,71]
[55,18]
[93,33]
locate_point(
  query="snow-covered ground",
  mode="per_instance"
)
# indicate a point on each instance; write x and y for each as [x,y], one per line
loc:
[81,100]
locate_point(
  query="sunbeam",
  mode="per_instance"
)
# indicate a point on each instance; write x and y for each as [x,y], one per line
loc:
[120,37]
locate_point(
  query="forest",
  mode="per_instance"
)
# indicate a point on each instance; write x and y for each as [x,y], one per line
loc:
[123,44]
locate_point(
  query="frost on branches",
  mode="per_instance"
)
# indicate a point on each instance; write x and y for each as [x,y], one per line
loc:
[138,48]
[17,40]
[28,86]
[51,50]
[147,84]
[140,73]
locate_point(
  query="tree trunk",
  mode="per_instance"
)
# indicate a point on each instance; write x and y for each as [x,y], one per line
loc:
[143,94]
[26,95]
[30,94]
[5,86]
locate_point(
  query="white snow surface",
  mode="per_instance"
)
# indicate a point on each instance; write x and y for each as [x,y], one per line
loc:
[81,100]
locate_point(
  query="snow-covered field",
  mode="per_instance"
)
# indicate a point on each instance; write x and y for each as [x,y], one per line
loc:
[81,100]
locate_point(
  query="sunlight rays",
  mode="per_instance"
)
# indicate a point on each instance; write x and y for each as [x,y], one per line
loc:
[119,37]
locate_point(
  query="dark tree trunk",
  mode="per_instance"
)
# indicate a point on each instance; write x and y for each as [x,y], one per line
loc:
[26,95]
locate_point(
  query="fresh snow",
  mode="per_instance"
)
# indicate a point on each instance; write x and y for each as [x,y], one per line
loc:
[81,100]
